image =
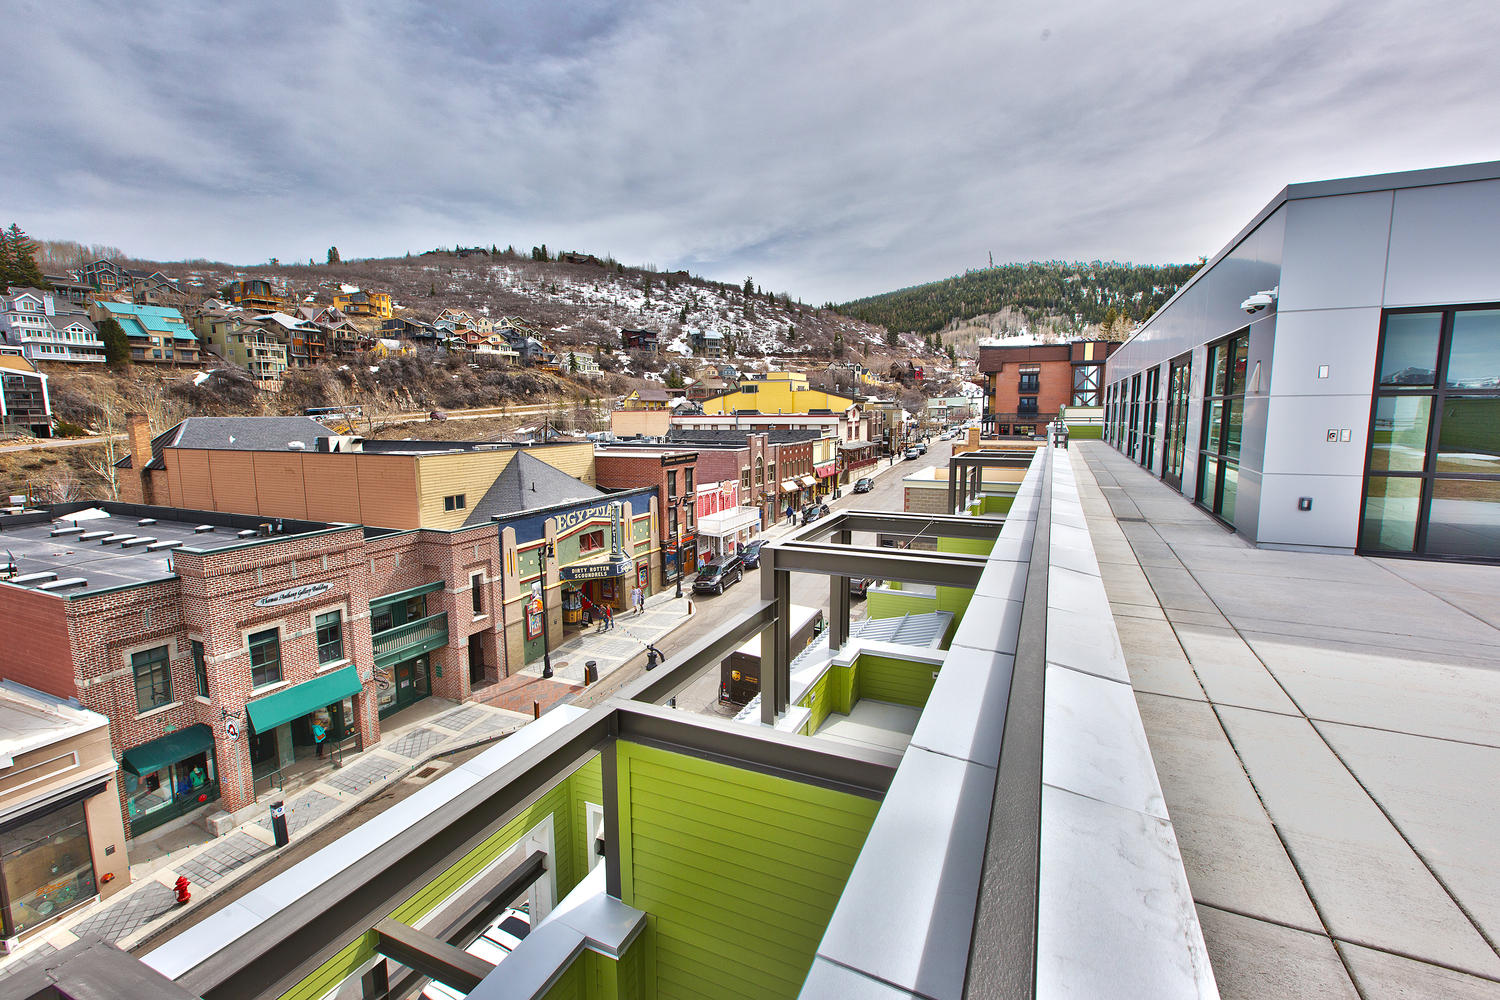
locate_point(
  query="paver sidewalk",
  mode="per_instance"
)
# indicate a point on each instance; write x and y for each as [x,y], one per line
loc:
[1324,727]
[149,903]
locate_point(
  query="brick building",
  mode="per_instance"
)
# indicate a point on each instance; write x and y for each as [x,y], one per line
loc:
[1026,386]
[214,641]
[672,473]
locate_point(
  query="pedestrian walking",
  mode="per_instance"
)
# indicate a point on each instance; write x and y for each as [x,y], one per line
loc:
[609,618]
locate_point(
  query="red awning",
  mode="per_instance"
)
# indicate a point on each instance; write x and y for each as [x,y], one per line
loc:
[826,469]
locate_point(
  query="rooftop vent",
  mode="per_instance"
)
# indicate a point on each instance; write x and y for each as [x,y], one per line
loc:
[33,577]
[145,521]
[111,539]
[138,540]
[89,536]
[71,529]
[248,533]
[202,528]
[158,546]
[72,581]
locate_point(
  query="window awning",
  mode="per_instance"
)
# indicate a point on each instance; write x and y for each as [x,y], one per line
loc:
[728,522]
[298,700]
[827,469]
[789,486]
[809,481]
[169,749]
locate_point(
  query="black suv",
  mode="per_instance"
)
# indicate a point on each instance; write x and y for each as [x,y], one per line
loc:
[714,576]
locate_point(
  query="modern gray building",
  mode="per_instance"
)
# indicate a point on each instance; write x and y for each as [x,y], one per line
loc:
[1331,378]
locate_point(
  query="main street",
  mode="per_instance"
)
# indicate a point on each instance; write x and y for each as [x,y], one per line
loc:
[712,611]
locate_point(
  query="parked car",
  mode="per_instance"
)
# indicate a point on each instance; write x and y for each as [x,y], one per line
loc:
[717,574]
[494,946]
[859,587]
[813,511]
[912,452]
[437,416]
[921,447]
[864,485]
[750,554]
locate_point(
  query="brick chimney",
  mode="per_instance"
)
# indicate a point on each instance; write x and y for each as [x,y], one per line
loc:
[135,482]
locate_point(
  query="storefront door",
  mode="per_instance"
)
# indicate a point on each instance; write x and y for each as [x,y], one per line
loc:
[403,683]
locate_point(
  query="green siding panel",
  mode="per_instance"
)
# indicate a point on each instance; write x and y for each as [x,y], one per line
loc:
[905,682]
[570,986]
[738,871]
[883,605]
[564,801]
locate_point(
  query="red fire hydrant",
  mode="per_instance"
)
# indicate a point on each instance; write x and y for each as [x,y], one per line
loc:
[182,890]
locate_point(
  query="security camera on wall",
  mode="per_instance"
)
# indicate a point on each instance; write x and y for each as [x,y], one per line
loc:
[1259,301]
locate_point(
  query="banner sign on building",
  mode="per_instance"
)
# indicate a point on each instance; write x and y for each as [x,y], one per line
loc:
[291,595]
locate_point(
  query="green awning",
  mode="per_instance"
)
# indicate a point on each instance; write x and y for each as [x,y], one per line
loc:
[275,709]
[168,749]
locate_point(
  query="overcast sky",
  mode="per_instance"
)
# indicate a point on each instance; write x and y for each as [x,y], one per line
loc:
[829,149]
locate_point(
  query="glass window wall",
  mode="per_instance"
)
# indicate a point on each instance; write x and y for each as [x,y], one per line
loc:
[1432,486]
[1223,425]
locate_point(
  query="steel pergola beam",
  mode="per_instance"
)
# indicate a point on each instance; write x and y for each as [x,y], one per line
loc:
[948,569]
[668,679]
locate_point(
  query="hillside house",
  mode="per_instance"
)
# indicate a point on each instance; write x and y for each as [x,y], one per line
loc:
[307,343]
[24,403]
[359,303]
[256,294]
[707,343]
[640,340]
[261,352]
[578,363]
[66,286]
[157,334]
[413,331]
[44,327]
[103,275]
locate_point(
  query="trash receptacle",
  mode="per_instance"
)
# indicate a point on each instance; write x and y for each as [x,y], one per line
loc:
[591,672]
[278,824]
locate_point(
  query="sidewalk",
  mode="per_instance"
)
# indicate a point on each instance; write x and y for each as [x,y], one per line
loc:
[664,614]
[148,904]
[1324,727]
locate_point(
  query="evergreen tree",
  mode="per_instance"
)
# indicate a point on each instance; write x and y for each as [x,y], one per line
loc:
[682,316]
[432,289]
[333,255]
[749,287]
[116,344]
[18,260]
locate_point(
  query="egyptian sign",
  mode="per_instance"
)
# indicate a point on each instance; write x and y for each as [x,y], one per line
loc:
[292,595]
[530,526]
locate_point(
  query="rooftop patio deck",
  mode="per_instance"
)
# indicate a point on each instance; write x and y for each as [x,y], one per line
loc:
[1325,731]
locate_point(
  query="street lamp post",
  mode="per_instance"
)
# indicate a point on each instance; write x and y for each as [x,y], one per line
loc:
[546,640]
[678,546]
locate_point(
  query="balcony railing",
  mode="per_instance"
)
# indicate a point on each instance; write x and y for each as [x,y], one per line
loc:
[412,639]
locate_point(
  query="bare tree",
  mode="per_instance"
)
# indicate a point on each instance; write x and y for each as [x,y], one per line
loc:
[101,462]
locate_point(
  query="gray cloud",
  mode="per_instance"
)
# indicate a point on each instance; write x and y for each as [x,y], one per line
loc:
[831,149]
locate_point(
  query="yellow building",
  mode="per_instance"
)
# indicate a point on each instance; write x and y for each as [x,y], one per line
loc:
[376,304]
[776,392]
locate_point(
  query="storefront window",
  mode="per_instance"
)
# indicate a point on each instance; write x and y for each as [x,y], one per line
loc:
[169,792]
[47,866]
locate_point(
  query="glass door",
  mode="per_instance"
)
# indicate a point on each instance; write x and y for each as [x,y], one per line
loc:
[1148,425]
[1177,420]
[1223,419]
[1133,433]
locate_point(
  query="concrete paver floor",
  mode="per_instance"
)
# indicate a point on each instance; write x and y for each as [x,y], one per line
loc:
[1325,731]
